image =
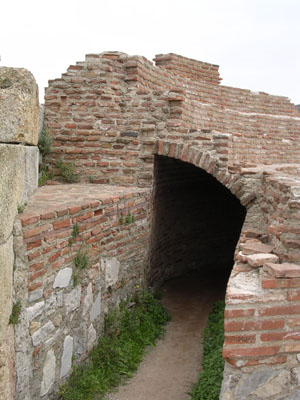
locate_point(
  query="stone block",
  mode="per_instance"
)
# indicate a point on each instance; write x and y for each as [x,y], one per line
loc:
[96,307]
[31,171]
[19,113]
[66,360]
[63,278]
[72,299]
[42,333]
[285,270]
[258,260]
[111,267]
[6,281]
[48,372]
[12,183]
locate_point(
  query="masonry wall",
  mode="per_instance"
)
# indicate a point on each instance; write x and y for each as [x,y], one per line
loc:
[64,301]
[18,180]
[106,112]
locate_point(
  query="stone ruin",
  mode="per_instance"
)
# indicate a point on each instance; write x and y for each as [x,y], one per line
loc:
[176,172]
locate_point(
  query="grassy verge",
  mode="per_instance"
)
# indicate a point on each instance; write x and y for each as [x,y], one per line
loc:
[210,380]
[128,330]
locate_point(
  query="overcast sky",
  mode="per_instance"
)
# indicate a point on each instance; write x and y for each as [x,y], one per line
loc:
[255,42]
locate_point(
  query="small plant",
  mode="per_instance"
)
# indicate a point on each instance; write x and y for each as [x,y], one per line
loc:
[67,171]
[21,208]
[45,142]
[81,261]
[15,313]
[129,219]
[210,379]
[75,233]
[128,331]
[44,175]
[91,179]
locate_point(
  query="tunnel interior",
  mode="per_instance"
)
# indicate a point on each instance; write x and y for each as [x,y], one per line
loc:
[196,222]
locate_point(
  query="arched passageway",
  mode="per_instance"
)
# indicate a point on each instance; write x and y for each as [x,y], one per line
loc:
[196,221]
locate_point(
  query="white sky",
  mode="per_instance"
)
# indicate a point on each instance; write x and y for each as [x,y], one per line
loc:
[255,42]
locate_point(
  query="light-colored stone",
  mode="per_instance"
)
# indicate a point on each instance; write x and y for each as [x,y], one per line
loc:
[48,372]
[12,184]
[72,299]
[58,320]
[96,308]
[88,301]
[111,266]
[6,281]
[34,326]
[258,260]
[254,382]
[92,337]
[42,333]
[35,295]
[31,171]
[19,112]
[66,360]
[274,386]
[63,278]
[285,270]
[35,310]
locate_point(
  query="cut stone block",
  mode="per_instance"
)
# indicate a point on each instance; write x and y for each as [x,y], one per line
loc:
[19,112]
[258,260]
[285,270]
[12,183]
[251,247]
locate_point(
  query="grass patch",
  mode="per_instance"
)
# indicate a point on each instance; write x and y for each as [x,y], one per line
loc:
[210,380]
[67,171]
[128,330]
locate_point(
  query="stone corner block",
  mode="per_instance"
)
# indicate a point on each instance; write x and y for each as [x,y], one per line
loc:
[12,183]
[19,112]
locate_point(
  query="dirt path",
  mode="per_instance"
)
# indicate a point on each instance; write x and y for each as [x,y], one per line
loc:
[170,369]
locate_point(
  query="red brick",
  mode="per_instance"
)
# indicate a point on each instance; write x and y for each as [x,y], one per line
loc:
[49,215]
[29,220]
[239,339]
[36,267]
[34,244]
[36,275]
[37,231]
[239,313]
[250,352]
[34,255]
[267,324]
[34,286]
[280,310]
[54,256]
[278,336]
[82,217]
[74,210]
[61,224]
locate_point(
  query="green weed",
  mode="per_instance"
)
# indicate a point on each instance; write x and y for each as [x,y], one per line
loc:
[210,380]
[67,171]
[45,142]
[15,313]
[81,261]
[75,233]
[128,330]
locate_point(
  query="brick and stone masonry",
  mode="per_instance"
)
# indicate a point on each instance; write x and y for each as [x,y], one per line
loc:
[176,172]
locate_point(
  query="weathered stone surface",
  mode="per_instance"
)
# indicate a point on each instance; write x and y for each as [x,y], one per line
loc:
[35,310]
[42,333]
[48,372]
[7,371]
[6,280]
[72,299]
[88,301]
[66,360]
[285,270]
[258,260]
[111,266]
[19,111]
[96,308]
[35,295]
[12,178]
[63,278]
[92,337]
[31,171]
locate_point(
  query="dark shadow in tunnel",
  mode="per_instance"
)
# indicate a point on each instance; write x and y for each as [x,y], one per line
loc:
[196,222]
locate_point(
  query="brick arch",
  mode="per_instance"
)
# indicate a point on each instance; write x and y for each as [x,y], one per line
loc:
[209,163]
